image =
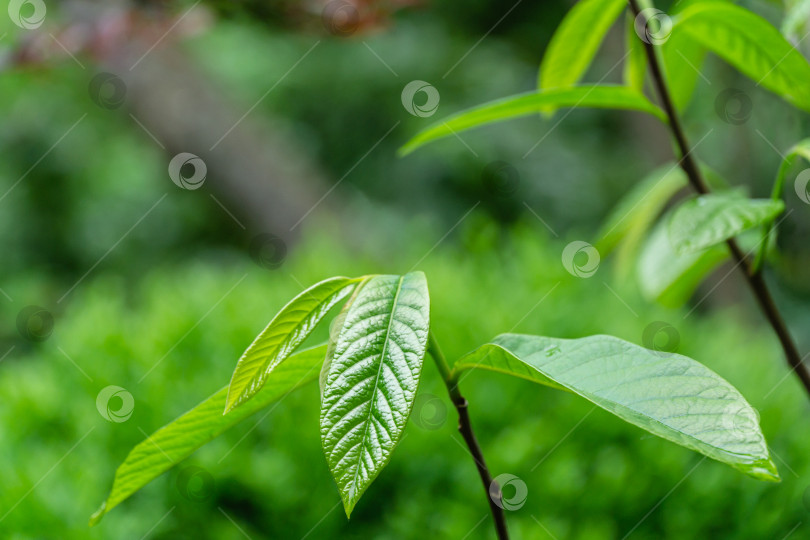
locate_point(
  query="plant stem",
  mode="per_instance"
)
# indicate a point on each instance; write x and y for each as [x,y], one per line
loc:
[492,490]
[687,162]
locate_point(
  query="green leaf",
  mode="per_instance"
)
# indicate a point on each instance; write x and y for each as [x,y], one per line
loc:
[177,440]
[707,220]
[370,387]
[288,329]
[635,65]
[752,45]
[670,278]
[602,96]
[669,395]
[576,41]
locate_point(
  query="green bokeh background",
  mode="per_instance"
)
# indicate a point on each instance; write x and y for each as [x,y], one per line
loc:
[180,297]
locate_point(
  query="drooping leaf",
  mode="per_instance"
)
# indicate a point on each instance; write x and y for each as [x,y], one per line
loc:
[669,395]
[374,372]
[600,97]
[641,205]
[707,220]
[750,44]
[288,329]
[576,42]
[180,438]
[670,278]
[635,65]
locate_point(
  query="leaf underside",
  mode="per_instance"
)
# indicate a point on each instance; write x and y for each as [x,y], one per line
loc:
[288,329]
[180,438]
[669,395]
[707,220]
[576,41]
[372,379]
[530,103]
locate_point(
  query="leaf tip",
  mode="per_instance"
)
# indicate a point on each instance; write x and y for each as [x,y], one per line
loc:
[97,515]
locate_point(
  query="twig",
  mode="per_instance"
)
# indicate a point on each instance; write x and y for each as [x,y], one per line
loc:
[492,490]
[689,165]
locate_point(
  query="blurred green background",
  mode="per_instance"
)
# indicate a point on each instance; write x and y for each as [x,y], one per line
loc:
[159,290]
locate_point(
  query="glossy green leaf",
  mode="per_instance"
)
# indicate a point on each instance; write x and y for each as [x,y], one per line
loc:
[576,41]
[707,220]
[179,439]
[288,329]
[372,379]
[602,97]
[669,395]
[635,64]
[750,44]
[670,278]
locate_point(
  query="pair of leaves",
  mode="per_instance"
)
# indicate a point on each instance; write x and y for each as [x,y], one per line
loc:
[370,379]
[669,395]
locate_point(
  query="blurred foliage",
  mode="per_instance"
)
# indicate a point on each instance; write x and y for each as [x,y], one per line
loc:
[179,295]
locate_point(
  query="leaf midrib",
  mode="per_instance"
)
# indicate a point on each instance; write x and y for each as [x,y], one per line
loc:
[353,487]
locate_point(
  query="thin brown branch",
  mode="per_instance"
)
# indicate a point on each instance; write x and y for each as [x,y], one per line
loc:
[687,162]
[491,489]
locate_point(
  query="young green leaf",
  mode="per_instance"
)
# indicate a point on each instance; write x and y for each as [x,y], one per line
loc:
[369,390]
[288,329]
[179,439]
[669,395]
[670,278]
[707,220]
[752,45]
[576,42]
[600,97]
